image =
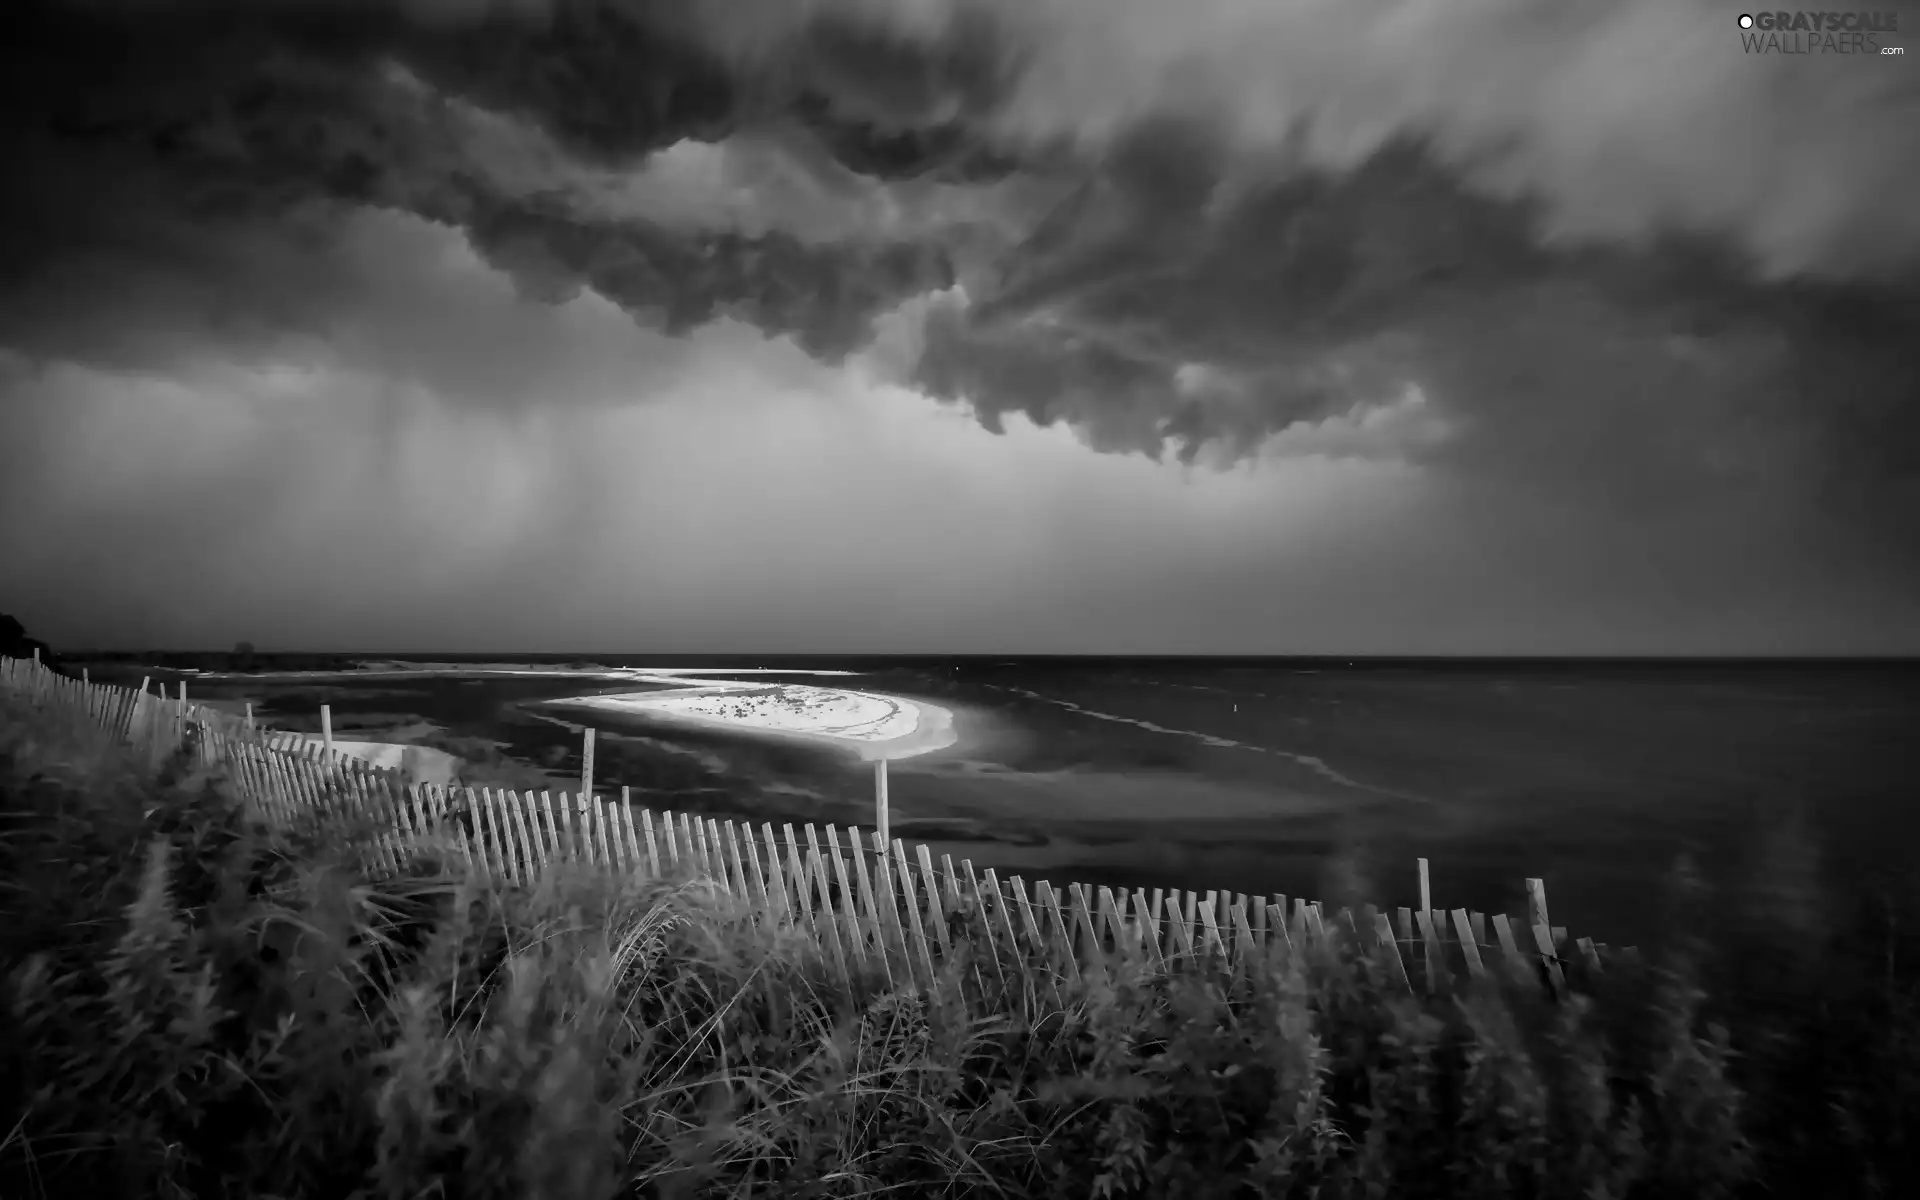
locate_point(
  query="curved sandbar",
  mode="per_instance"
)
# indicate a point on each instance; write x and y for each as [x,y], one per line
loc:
[872,725]
[386,669]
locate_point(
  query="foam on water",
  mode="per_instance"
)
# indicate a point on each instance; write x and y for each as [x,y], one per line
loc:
[1317,765]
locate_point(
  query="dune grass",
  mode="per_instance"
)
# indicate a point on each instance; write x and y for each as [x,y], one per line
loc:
[199,1006]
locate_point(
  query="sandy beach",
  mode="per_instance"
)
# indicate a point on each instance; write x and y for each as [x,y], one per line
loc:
[383,669]
[872,725]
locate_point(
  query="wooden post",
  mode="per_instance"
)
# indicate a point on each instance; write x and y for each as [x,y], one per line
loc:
[1537,902]
[326,726]
[1541,932]
[882,835]
[586,769]
[86,679]
[249,716]
[1426,924]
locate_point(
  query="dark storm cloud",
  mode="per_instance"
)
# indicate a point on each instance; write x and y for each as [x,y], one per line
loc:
[1647,374]
[1601,277]
[825,297]
[174,144]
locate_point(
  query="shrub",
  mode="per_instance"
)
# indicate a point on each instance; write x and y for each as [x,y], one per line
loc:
[199,1005]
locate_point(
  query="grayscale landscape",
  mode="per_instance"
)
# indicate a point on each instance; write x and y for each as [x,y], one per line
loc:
[1121,598]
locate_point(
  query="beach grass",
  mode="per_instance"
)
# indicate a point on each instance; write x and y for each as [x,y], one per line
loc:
[196,1005]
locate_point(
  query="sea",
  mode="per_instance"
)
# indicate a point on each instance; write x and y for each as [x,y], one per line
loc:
[1787,786]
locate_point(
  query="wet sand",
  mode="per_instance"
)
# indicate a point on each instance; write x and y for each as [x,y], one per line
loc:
[873,726]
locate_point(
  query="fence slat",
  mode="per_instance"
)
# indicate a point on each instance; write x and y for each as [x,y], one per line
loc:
[891,888]
[602,843]
[1083,924]
[1314,924]
[1589,954]
[1245,958]
[1390,950]
[1001,913]
[936,912]
[1469,948]
[516,817]
[706,836]
[1517,962]
[985,912]
[757,884]
[486,814]
[525,811]
[1148,917]
[1211,931]
[848,909]
[919,932]
[1436,971]
[1543,942]
[653,849]
[801,879]
[787,907]
[1036,944]
[815,867]
[868,903]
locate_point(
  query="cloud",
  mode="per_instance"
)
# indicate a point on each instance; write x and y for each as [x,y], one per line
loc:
[233,137]
[1624,120]
[1634,273]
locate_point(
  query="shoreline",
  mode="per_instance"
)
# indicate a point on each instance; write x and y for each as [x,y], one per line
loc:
[453,671]
[873,725]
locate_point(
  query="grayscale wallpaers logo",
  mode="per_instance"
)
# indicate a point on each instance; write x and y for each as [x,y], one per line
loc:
[1858,33]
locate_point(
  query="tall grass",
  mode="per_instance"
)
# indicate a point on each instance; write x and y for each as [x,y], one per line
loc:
[199,1006]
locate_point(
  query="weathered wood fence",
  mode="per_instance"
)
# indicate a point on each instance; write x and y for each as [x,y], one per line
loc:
[869,904]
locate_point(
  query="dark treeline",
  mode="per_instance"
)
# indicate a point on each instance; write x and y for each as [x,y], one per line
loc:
[241,658]
[14,643]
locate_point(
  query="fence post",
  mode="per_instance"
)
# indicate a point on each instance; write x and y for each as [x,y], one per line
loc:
[1537,902]
[880,802]
[249,716]
[1426,910]
[586,769]
[1541,933]
[326,726]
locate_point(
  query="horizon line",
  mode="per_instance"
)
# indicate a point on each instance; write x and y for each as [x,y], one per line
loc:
[1791,657]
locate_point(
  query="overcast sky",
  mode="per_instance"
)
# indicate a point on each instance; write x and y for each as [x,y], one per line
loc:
[1047,326]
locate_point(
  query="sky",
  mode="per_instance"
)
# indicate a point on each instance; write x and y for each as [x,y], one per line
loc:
[1332,327]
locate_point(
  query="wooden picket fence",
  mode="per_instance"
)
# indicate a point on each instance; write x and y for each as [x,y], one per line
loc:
[868,906]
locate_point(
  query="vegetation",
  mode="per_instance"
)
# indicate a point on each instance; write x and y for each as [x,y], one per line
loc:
[198,1006]
[14,643]
[243,657]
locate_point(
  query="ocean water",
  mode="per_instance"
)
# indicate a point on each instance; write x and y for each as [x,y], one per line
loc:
[1790,786]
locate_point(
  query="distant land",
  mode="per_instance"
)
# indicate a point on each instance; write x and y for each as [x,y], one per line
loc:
[295,660]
